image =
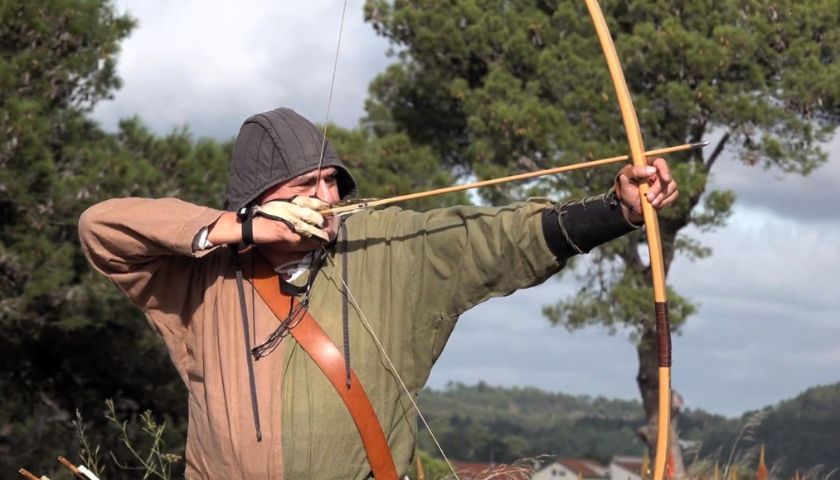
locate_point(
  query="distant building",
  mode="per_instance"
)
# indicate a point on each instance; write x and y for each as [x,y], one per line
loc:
[626,468]
[572,469]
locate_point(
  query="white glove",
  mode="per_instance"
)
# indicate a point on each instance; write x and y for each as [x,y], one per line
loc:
[299,213]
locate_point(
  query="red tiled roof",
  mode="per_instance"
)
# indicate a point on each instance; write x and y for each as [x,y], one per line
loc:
[631,465]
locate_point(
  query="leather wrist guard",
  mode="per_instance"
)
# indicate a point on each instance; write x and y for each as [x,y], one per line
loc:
[579,226]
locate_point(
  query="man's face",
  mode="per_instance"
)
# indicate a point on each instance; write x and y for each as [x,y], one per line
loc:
[310,184]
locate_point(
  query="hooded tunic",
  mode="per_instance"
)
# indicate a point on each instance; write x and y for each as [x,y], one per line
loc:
[410,276]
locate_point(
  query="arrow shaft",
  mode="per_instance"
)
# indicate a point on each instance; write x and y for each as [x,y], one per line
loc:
[497,181]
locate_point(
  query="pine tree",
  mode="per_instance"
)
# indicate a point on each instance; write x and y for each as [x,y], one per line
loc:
[493,86]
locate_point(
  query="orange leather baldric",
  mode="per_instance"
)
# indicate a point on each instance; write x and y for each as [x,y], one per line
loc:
[329,359]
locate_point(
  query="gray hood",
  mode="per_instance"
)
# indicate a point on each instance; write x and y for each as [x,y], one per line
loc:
[276,146]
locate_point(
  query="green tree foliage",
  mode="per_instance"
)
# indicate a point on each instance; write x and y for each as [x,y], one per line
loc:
[481,88]
[494,85]
[799,434]
[390,165]
[58,60]
[492,424]
[433,468]
[480,422]
[483,423]
[69,339]
[803,430]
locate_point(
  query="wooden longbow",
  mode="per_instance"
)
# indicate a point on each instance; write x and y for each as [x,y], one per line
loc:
[657,265]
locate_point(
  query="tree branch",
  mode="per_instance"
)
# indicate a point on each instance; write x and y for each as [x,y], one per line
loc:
[717,151]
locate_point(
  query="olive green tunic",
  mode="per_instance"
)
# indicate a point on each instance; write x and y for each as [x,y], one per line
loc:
[410,276]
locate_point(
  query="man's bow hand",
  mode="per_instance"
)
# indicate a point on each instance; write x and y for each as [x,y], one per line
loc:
[662,189]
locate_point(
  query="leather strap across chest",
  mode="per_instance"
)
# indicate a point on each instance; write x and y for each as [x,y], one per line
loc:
[317,344]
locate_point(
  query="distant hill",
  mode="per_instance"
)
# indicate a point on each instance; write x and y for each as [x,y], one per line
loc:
[800,433]
[485,423]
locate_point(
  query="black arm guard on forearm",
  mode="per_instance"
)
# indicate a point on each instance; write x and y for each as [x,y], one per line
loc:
[579,226]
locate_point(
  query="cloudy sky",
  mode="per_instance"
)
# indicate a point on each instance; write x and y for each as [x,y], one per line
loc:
[767,326]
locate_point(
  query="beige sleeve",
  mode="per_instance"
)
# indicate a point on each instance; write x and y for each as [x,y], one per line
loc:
[145,247]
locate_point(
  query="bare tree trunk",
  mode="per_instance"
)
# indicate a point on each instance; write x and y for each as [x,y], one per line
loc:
[648,381]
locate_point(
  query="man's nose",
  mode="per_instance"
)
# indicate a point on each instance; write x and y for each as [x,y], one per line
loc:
[322,189]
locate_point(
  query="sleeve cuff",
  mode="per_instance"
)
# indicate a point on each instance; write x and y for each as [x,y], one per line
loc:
[201,240]
[191,232]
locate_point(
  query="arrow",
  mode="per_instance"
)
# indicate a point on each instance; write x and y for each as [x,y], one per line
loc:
[343,208]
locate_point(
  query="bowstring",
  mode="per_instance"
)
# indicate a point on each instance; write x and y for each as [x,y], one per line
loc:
[330,97]
[391,365]
[352,297]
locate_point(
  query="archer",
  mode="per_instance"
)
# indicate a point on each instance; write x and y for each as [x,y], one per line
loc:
[239,296]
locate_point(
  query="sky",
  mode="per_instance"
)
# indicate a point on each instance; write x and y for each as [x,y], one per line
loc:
[767,324]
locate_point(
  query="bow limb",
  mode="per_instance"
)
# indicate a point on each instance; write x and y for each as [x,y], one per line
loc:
[634,139]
